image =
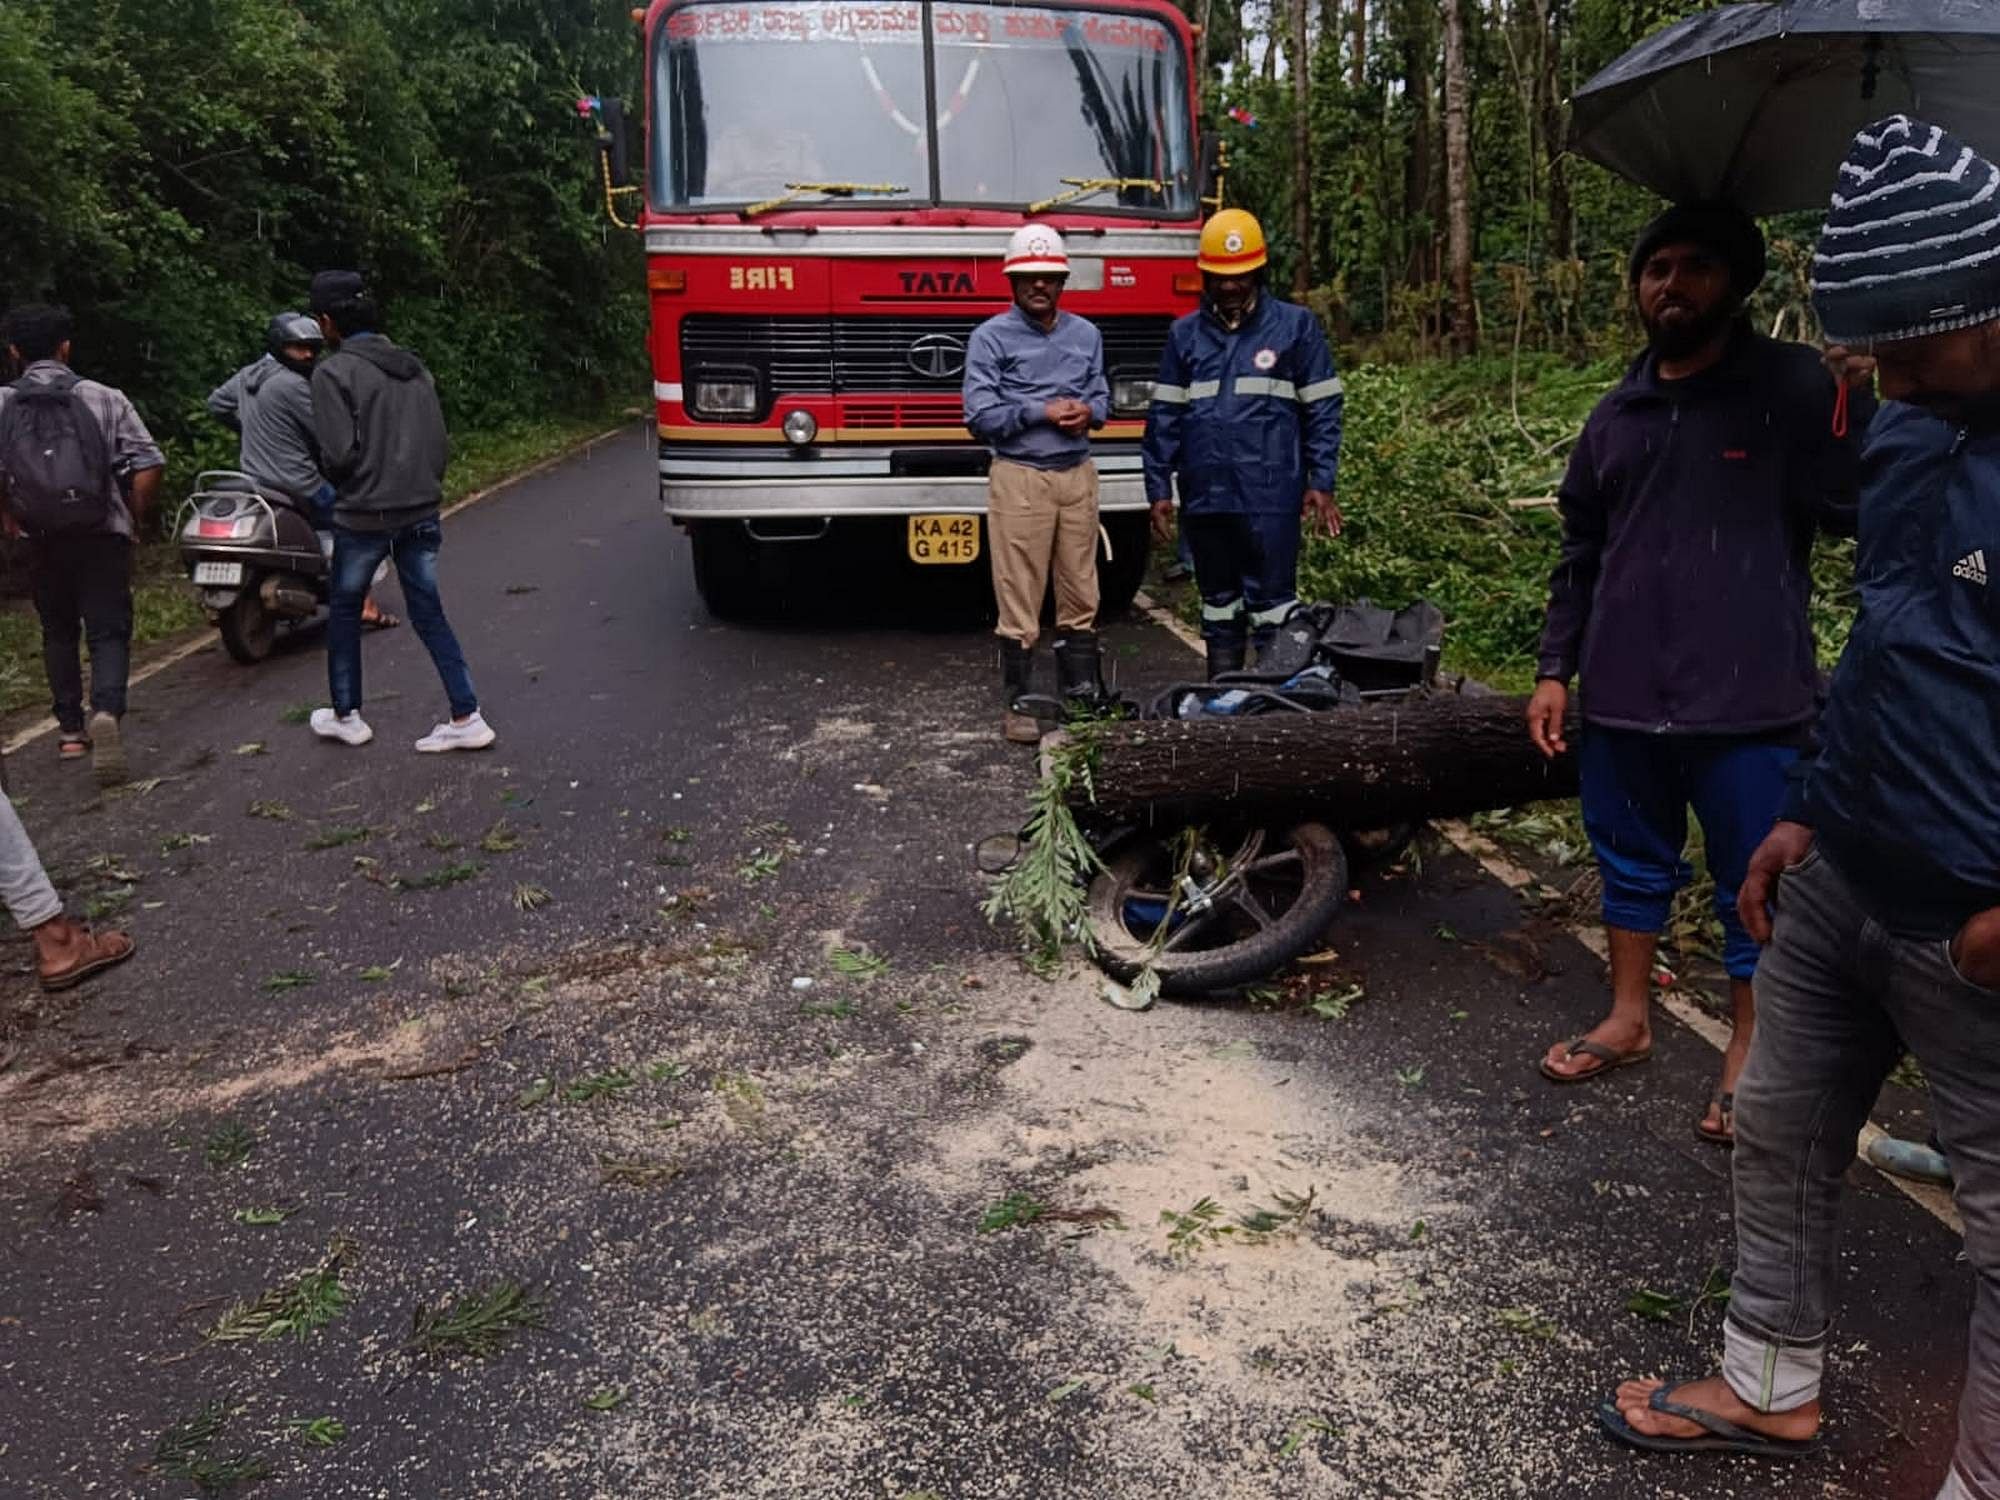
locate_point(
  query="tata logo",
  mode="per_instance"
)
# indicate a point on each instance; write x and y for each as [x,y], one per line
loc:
[937,284]
[938,355]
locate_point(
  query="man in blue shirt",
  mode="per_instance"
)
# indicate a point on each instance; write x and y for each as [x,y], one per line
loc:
[1034,389]
[1885,861]
[1246,418]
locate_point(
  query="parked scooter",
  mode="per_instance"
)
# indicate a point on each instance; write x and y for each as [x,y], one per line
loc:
[255,559]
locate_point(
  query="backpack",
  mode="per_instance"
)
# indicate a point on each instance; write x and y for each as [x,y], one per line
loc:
[54,459]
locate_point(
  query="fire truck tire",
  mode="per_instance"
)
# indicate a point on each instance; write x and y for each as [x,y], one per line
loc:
[1120,575]
[725,569]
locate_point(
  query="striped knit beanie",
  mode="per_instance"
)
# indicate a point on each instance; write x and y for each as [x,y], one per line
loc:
[1912,240]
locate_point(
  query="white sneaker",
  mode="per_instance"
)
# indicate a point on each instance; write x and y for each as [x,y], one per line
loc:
[349,729]
[474,734]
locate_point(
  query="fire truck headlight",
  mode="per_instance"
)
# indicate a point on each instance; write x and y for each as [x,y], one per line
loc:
[1130,394]
[800,428]
[726,398]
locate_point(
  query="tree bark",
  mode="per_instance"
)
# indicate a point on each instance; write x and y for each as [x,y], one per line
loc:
[1357,62]
[1458,178]
[1417,173]
[1302,219]
[1440,757]
[1555,130]
[1206,22]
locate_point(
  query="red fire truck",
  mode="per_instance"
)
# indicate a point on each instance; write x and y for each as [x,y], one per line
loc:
[828,190]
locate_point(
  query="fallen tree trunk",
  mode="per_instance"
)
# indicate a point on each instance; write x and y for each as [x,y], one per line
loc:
[1444,756]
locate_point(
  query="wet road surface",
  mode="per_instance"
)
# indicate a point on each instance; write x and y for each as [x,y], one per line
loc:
[541,1019]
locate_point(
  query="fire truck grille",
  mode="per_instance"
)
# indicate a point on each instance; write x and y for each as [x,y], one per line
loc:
[878,356]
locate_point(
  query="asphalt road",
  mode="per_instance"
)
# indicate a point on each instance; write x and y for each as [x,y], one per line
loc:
[750,1206]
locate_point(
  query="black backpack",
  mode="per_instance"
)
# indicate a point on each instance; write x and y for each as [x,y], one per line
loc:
[54,459]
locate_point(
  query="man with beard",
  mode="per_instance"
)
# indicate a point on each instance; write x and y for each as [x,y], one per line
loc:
[1688,513]
[1886,862]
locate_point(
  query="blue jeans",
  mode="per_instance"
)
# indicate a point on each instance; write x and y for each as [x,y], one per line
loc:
[356,556]
[1637,788]
[1838,999]
[1246,568]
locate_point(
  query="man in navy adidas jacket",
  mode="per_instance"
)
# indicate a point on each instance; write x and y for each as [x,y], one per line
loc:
[1884,872]
[1246,418]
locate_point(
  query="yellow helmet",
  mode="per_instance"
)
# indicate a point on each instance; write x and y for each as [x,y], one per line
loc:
[1231,243]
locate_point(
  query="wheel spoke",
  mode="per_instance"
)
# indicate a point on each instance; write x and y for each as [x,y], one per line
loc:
[1274,862]
[1135,893]
[1187,930]
[1247,903]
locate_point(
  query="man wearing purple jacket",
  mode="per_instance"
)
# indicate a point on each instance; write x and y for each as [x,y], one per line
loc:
[1689,512]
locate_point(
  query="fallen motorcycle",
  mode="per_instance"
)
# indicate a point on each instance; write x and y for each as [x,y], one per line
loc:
[1217,904]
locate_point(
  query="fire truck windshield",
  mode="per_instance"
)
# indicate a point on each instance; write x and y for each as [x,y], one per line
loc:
[747,99]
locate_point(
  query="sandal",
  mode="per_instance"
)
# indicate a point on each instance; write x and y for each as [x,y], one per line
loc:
[1611,1058]
[100,951]
[380,620]
[1725,1104]
[1724,1435]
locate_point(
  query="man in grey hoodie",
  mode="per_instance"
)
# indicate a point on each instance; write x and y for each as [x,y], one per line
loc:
[269,405]
[382,442]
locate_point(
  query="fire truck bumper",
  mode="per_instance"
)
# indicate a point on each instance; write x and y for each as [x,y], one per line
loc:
[707,488]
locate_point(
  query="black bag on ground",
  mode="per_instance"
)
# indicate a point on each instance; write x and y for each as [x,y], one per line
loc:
[1379,650]
[54,460]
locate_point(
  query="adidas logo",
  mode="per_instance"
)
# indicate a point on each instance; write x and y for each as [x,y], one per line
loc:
[1972,567]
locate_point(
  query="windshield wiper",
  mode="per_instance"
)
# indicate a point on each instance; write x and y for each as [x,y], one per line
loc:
[1083,187]
[797,190]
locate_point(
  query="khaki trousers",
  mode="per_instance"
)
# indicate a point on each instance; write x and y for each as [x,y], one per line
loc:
[1036,518]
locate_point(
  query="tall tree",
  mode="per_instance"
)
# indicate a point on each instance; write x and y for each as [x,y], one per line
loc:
[1458,178]
[1554,113]
[1302,214]
[1417,47]
[1357,61]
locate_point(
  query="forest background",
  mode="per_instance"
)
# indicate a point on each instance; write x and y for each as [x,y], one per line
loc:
[174,170]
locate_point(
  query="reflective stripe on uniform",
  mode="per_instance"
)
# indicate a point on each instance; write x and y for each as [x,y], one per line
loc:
[1275,615]
[1264,385]
[1171,395]
[1204,390]
[1221,614]
[1321,390]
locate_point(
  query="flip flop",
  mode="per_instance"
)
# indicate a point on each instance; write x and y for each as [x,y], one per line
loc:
[107,950]
[1724,1435]
[1726,1136]
[1611,1057]
[381,621]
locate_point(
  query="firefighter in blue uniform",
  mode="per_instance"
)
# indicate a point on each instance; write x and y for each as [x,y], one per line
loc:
[1246,417]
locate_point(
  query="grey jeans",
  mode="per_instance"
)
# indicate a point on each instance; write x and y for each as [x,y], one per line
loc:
[1838,998]
[24,884]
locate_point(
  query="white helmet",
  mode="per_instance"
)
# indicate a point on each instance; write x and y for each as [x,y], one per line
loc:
[1035,247]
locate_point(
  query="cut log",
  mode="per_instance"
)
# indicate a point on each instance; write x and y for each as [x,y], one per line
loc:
[1445,756]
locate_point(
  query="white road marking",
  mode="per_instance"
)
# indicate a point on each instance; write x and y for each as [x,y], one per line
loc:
[1934,1200]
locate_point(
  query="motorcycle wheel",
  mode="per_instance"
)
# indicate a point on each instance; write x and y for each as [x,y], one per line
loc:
[249,630]
[1265,895]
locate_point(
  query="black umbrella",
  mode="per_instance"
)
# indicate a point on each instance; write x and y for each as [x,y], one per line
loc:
[1757,104]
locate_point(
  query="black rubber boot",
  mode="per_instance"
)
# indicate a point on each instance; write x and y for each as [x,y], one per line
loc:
[1080,671]
[1016,726]
[1226,656]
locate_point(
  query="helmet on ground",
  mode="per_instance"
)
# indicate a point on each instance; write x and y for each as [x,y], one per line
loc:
[1232,243]
[288,329]
[1035,247]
